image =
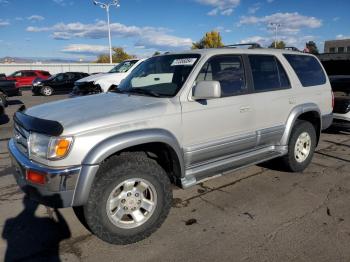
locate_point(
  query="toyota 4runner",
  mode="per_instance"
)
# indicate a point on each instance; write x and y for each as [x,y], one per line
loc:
[178,118]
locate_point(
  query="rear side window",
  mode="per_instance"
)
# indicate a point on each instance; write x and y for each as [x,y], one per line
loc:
[228,70]
[28,73]
[308,70]
[268,73]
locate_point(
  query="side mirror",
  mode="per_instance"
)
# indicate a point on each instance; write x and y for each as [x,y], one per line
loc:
[205,90]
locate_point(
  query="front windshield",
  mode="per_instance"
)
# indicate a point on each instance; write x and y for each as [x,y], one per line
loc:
[160,75]
[123,67]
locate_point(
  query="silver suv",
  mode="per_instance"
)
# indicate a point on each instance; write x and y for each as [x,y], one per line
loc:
[179,118]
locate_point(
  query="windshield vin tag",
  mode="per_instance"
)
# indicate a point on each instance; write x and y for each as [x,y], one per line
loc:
[184,62]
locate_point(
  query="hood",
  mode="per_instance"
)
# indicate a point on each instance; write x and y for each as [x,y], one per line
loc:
[99,111]
[98,77]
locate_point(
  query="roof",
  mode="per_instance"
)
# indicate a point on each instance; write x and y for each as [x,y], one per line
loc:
[230,50]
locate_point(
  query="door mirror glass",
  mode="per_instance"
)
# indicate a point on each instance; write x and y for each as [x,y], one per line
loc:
[207,90]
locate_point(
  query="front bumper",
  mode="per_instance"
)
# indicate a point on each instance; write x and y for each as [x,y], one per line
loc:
[58,191]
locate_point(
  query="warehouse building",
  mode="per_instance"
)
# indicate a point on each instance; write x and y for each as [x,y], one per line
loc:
[337,46]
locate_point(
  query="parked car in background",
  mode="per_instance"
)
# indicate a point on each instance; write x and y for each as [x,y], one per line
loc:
[2,77]
[341,88]
[101,83]
[24,78]
[8,88]
[2,109]
[60,83]
[179,118]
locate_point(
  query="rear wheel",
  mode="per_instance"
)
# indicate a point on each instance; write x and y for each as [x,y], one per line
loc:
[129,200]
[301,147]
[3,100]
[46,91]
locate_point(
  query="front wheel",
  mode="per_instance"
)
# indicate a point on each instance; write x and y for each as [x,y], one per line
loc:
[301,147]
[129,200]
[46,91]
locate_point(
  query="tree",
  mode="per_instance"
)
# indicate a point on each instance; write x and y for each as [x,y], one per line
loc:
[210,40]
[312,47]
[280,45]
[119,56]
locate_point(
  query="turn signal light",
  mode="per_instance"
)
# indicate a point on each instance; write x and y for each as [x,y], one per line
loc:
[62,147]
[36,177]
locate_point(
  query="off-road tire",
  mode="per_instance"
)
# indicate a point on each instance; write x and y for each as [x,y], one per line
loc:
[289,161]
[3,99]
[46,91]
[113,172]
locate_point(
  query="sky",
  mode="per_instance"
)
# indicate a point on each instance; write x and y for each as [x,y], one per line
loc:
[77,29]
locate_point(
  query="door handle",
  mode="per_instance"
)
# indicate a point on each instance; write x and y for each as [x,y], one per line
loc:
[244,109]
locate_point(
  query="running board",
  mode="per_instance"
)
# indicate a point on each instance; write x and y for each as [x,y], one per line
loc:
[201,173]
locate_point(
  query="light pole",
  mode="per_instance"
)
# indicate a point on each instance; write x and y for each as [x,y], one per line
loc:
[107,6]
[276,26]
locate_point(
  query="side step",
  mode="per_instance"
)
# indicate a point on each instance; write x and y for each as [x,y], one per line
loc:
[206,171]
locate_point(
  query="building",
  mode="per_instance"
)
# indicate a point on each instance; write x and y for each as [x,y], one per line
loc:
[337,46]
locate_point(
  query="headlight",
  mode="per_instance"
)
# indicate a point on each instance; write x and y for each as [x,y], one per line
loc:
[37,83]
[52,148]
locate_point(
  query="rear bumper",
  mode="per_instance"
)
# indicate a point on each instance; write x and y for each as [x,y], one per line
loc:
[58,191]
[341,121]
[327,121]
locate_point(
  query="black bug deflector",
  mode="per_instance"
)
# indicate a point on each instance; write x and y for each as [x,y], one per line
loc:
[30,123]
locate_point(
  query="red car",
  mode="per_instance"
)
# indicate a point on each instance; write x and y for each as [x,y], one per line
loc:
[26,77]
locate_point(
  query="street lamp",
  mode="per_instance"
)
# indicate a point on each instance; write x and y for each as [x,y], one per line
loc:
[276,26]
[107,6]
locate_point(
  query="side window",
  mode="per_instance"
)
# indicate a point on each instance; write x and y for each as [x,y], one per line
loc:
[228,70]
[308,69]
[268,73]
[28,74]
[18,74]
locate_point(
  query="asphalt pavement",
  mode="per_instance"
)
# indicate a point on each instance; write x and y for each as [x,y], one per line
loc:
[256,214]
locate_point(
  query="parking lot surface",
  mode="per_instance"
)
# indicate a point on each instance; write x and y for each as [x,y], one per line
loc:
[256,214]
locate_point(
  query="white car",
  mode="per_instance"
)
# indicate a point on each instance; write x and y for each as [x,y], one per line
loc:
[101,83]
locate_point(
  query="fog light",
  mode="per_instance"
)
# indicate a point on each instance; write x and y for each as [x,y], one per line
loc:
[36,177]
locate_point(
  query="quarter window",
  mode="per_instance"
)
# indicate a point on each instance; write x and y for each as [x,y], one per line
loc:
[308,69]
[228,70]
[268,73]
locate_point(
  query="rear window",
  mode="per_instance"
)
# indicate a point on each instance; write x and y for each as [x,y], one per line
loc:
[308,69]
[268,73]
[44,73]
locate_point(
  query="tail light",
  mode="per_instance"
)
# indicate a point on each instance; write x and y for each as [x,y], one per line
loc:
[332,100]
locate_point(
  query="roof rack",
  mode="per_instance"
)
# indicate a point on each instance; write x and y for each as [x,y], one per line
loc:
[292,48]
[252,45]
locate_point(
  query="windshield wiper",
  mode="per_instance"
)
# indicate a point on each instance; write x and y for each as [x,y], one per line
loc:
[144,92]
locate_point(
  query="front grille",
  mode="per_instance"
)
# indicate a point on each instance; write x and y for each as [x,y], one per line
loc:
[21,139]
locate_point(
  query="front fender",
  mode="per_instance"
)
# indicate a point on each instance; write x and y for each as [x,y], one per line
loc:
[116,144]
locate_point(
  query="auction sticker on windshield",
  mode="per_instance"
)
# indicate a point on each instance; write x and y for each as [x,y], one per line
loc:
[184,62]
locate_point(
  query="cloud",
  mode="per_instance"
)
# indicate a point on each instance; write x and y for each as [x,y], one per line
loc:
[335,19]
[35,18]
[253,9]
[150,37]
[296,41]
[341,36]
[223,7]
[63,2]
[4,23]
[270,1]
[84,49]
[4,2]
[291,23]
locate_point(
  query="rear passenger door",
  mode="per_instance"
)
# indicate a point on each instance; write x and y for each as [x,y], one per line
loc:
[218,127]
[273,99]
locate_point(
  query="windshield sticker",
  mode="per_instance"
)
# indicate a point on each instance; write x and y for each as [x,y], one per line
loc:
[184,62]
